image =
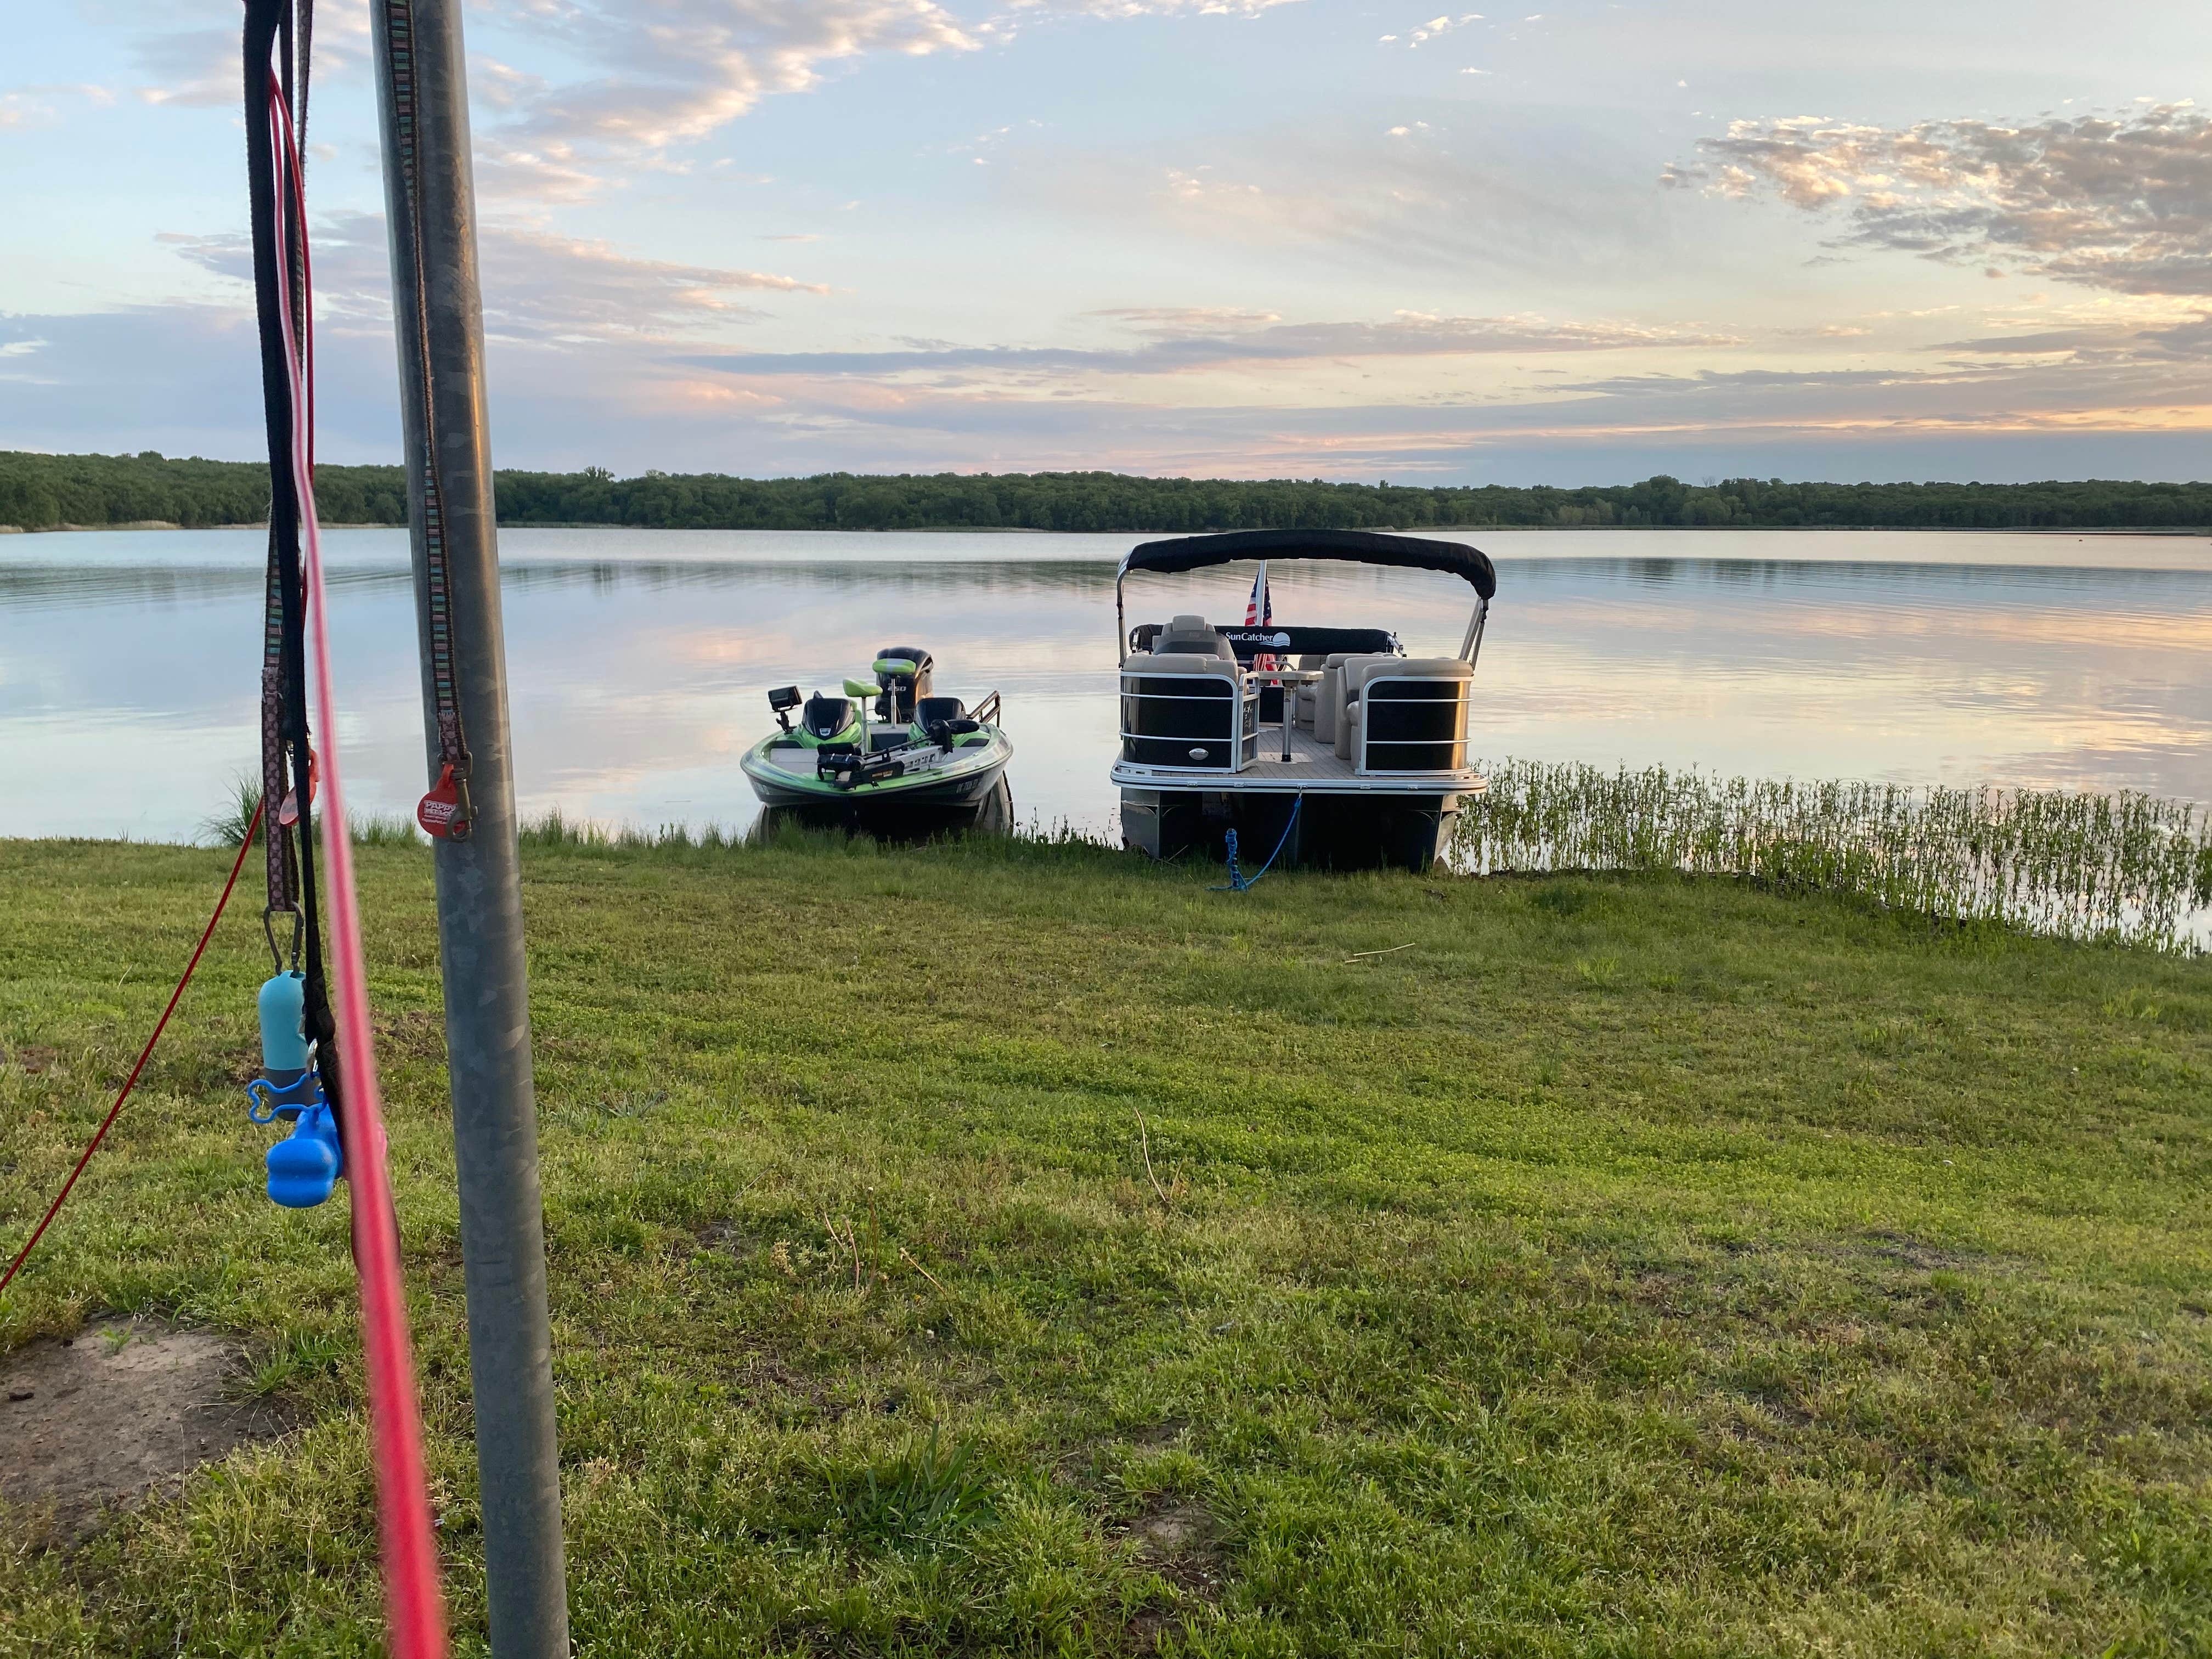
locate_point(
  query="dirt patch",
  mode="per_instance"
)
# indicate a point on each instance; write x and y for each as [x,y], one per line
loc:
[1176,1531]
[101,1418]
[1182,1542]
[35,1059]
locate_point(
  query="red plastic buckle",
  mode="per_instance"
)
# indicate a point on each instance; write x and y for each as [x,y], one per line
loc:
[288,810]
[444,813]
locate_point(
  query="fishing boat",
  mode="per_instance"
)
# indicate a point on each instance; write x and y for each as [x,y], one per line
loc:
[888,757]
[1328,746]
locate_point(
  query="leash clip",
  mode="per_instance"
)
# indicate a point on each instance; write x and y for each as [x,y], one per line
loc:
[299,930]
[446,813]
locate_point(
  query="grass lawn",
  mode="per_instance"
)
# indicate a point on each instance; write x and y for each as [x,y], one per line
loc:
[1642,1266]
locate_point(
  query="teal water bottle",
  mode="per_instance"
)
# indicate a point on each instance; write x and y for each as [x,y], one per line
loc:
[284,1026]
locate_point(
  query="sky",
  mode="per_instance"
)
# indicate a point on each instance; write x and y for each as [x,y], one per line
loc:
[1220,238]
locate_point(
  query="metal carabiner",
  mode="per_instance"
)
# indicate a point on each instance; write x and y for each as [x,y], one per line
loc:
[299,932]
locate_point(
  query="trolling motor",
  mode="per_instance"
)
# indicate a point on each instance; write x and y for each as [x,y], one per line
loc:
[306,1164]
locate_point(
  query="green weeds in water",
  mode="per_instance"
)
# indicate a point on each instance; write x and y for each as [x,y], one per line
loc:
[230,823]
[386,830]
[2125,868]
[556,829]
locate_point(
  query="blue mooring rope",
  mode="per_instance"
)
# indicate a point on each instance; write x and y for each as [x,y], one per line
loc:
[1238,882]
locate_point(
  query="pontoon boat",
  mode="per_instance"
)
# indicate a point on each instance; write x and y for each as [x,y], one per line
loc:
[1329,745]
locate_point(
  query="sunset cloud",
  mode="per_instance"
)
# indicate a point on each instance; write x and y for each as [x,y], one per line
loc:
[1175,345]
[2115,202]
[671,72]
[1207,235]
[537,287]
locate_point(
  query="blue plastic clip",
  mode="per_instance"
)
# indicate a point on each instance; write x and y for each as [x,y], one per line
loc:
[306,1164]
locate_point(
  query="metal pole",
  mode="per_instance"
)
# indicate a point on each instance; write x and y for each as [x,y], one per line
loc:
[479,879]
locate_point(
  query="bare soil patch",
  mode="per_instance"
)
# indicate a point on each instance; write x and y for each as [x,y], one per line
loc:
[1182,1543]
[100,1418]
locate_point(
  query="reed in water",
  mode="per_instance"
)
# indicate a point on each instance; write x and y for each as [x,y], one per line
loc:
[2128,867]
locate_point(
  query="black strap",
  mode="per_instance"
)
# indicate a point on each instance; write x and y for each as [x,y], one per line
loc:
[447,809]
[272,265]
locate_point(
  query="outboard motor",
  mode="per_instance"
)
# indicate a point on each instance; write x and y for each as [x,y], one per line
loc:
[903,674]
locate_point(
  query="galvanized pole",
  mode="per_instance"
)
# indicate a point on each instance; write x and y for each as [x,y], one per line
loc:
[478,879]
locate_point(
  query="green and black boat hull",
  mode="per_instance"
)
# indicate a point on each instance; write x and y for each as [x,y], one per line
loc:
[939,790]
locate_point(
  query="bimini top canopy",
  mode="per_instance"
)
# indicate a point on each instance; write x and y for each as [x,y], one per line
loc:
[1356,546]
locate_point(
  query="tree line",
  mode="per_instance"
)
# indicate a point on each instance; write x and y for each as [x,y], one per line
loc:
[39,492]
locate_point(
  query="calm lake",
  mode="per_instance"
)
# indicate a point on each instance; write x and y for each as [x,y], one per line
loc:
[130,660]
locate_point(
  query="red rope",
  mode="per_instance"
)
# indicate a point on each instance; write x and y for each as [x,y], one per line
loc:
[130,1082]
[414,1609]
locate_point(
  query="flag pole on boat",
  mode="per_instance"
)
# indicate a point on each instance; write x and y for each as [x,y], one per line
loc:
[469,812]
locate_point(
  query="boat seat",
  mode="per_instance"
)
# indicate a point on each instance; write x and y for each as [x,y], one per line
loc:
[1338,693]
[927,711]
[1192,636]
[1411,739]
[1224,667]
[825,717]
[1185,706]
[1306,699]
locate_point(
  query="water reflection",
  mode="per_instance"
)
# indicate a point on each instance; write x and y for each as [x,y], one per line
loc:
[129,662]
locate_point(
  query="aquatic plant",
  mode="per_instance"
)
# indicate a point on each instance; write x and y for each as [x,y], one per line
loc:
[386,830]
[554,829]
[2128,867]
[231,822]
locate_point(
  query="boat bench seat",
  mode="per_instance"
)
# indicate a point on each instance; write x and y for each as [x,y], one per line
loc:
[1179,708]
[1404,713]
[1192,636]
[1334,692]
[1223,667]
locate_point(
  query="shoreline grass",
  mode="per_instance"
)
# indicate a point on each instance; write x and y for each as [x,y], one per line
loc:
[1629,1265]
[2126,868]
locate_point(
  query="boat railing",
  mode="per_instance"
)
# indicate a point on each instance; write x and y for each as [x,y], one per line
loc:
[1189,722]
[1411,724]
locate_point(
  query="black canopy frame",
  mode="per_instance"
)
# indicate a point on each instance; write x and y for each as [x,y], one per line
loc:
[1183,553]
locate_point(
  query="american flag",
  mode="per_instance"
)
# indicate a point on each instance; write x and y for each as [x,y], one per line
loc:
[1259,612]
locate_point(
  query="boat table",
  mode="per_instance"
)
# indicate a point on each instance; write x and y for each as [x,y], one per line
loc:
[1290,679]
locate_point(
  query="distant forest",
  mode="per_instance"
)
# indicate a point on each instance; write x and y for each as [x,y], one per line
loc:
[38,492]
